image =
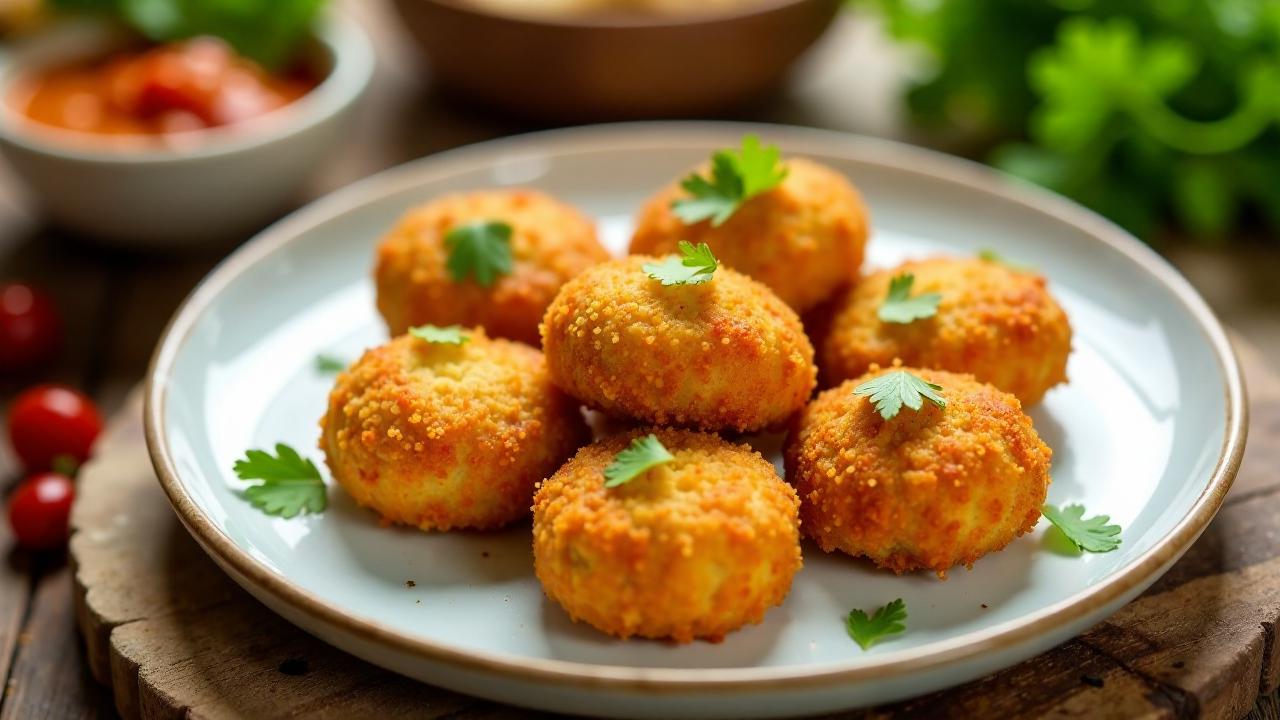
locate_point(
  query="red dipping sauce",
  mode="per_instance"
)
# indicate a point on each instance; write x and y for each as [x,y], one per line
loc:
[179,87]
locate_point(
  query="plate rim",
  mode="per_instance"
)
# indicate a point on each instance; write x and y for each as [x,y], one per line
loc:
[1143,570]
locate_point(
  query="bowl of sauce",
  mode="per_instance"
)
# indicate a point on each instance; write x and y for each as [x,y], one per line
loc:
[172,144]
[158,91]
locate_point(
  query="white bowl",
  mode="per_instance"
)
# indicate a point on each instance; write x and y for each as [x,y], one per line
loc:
[226,183]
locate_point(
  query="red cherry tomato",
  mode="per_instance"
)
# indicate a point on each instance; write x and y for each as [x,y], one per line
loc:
[29,327]
[39,509]
[49,421]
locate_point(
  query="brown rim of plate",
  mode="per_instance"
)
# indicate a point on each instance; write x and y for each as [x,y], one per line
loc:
[666,135]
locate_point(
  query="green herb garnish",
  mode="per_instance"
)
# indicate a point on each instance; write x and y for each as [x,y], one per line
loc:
[479,249]
[644,453]
[695,265]
[290,483]
[1088,534]
[888,620]
[328,364]
[991,256]
[452,335]
[736,177]
[900,307]
[890,391]
[268,31]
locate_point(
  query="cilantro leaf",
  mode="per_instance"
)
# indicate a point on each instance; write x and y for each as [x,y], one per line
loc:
[695,265]
[867,631]
[452,335]
[1089,534]
[991,256]
[481,249]
[644,453]
[890,391]
[328,364]
[736,177]
[900,307]
[290,483]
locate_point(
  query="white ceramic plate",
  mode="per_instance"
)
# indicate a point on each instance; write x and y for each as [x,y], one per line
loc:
[1150,431]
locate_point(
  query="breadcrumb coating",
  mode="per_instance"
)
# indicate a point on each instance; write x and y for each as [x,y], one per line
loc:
[692,549]
[445,436]
[998,324]
[723,355]
[804,239]
[550,243]
[928,489]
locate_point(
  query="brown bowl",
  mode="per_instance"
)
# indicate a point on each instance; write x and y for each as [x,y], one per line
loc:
[614,67]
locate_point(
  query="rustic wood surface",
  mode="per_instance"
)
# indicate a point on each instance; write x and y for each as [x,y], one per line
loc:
[174,637]
[115,305]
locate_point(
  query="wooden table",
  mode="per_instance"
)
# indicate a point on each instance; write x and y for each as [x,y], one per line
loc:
[116,303]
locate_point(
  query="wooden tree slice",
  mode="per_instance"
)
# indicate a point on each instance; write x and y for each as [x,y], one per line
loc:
[174,637]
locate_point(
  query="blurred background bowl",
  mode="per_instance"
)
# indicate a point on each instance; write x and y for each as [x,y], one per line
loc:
[223,185]
[579,68]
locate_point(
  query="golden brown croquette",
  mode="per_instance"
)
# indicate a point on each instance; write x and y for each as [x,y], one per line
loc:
[999,324]
[443,436]
[929,489]
[550,243]
[803,239]
[695,548]
[726,354]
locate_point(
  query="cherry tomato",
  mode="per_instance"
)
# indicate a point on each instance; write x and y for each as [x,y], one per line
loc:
[39,509]
[29,327]
[49,421]
[187,76]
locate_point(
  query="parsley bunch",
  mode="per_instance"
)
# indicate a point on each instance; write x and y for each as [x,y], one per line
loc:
[267,31]
[1148,111]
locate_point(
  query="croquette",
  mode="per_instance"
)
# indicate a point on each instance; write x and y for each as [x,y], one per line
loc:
[726,354]
[928,489]
[443,436]
[695,548]
[999,324]
[804,238]
[550,243]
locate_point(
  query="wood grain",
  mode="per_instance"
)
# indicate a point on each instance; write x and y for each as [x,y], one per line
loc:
[174,637]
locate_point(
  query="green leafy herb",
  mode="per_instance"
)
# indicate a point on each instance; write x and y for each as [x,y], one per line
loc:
[890,391]
[888,620]
[1089,534]
[452,335]
[736,177]
[991,256]
[480,249]
[900,307]
[328,364]
[642,454]
[1148,112]
[268,31]
[695,265]
[290,483]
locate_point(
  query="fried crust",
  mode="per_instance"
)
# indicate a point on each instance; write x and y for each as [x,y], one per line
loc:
[804,239]
[550,243]
[926,490]
[692,549]
[444,436]
[1000,325]
[723,355]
